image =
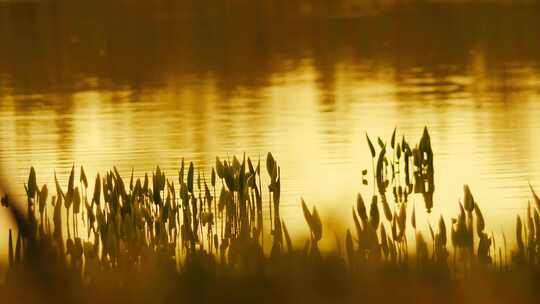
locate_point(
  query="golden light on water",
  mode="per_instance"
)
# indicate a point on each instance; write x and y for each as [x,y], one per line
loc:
[321,147]
[305,92]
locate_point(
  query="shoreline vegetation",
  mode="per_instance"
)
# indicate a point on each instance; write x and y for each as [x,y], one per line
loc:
[218,237]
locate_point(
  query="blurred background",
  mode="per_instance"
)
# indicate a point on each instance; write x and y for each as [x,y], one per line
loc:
[138,84]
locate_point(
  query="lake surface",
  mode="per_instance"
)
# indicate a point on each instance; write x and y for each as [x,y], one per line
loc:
[104,85]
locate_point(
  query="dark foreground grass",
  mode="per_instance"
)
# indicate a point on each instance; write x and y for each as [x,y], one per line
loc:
[155,240]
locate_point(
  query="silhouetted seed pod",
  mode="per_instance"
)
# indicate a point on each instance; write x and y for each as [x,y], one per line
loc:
[479,220]
[393,139]
[130,180]
[361,208]
[43,198]
[190,178]
[288,240]
[83,178]
[381,143]
[219,168]
[71,182]
[371,148]
[519,234]
[270,164]
[536,198]
[442,231]
[386,208]
[357,225]
[384,241]
[374,217]
[181,173]
[32,183]
[76,200]
[468,200]
[145,185]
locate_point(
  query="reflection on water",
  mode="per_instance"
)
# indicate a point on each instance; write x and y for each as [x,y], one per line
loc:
[144,87]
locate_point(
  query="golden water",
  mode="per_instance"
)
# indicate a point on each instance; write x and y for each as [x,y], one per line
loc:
[102,86]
